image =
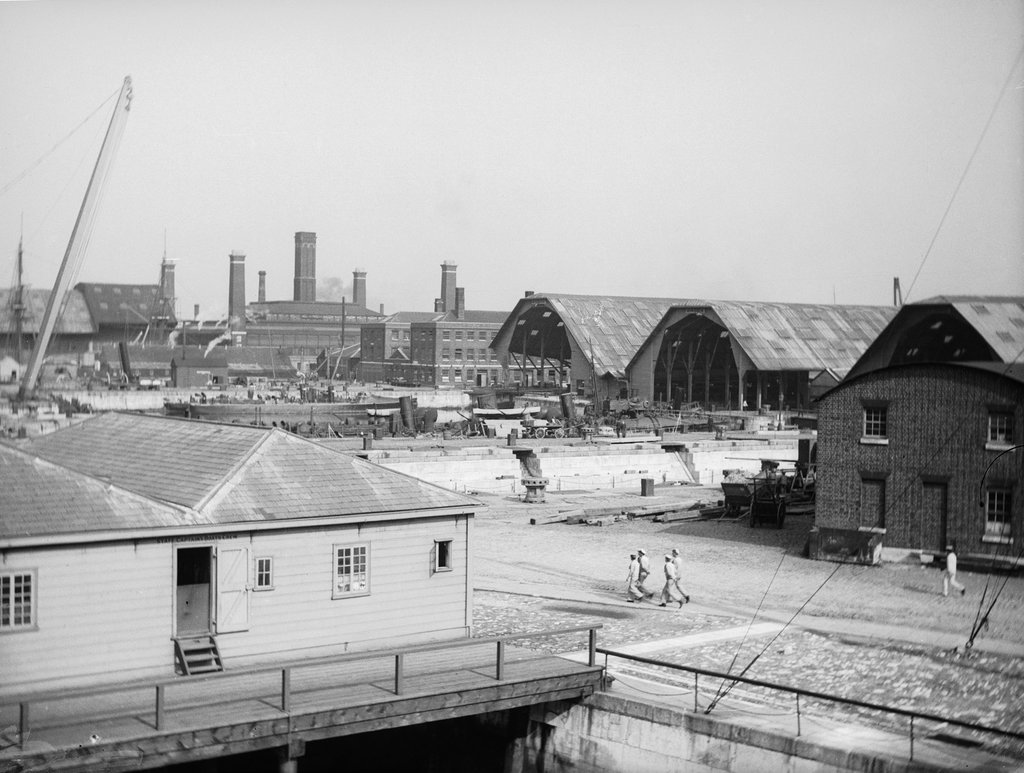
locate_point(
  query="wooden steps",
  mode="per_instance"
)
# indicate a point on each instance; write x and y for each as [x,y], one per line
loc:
[197,655]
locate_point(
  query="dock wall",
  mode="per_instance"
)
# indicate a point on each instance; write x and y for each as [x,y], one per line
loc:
[608,733]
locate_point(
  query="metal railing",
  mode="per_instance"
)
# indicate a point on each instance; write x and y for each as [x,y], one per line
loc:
[160,688]
[799,692]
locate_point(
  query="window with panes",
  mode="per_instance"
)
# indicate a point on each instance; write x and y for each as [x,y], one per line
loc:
[997,513]
[17,600]
[351,570]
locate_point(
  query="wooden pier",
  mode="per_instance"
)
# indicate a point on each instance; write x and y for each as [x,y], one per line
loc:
[146,725]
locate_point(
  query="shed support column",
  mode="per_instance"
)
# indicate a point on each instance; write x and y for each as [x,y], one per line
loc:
[742,375]
[288,756]
[760,398]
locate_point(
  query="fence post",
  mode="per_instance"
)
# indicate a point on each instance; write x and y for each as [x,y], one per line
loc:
[286,689]
[911,737]
[593,647]
[399,672]
[696,708]
[23,724]
[500,670]
[798,713]
[160,707]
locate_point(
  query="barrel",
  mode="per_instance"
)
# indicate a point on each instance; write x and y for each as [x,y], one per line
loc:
[405,406]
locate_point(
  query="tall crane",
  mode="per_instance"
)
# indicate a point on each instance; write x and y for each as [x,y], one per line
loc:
[75,252]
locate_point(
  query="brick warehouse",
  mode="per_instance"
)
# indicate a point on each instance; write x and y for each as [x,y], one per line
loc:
[919,446]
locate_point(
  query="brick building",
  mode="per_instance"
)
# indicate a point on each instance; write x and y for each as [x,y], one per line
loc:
[920,444]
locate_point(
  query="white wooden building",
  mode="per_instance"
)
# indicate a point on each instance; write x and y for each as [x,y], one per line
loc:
[134,546]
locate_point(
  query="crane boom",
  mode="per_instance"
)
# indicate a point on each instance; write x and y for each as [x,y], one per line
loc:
[75,251]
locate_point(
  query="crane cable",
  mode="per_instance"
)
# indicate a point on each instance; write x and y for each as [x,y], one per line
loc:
[743,641]
[906,488]
[21,176]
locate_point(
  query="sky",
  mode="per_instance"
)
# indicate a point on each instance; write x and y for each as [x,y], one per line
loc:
[774,150]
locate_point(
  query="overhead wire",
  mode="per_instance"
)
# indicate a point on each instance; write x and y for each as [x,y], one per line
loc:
[25,172]
[967,168]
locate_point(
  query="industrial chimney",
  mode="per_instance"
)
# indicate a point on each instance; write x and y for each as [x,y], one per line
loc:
[305,266]
[167,281]
[460,302]
[236,297]
[359,287]
[262,297]
[448,286]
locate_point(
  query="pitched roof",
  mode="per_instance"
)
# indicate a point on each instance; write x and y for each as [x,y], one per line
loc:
[797,336]
[40,498]
[120,304]
[226,474]
[75,319]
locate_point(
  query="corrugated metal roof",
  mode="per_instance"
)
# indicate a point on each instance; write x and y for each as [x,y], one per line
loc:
[799,336]
[230,474]
[76,319]
[614,327]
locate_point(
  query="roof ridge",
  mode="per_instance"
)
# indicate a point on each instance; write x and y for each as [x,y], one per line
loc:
[221,488]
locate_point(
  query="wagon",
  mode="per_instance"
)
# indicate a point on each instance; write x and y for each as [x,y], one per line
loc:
[737,498]
[768,502]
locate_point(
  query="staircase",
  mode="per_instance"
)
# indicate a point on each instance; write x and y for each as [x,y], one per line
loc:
[197,655]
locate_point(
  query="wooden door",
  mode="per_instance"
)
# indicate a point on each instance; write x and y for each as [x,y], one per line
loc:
[232,589]
[934,516]
[872,502]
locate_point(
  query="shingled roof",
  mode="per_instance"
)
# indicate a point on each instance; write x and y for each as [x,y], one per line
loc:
[222,474]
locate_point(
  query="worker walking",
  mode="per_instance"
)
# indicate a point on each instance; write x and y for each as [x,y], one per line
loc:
[633,591]
[645,572]
[949,578]
[670,591]
[677,563]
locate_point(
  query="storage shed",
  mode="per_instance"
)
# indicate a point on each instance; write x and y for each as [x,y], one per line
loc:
[135,546]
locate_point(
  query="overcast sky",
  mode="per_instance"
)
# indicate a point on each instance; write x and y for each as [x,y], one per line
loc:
[777,151]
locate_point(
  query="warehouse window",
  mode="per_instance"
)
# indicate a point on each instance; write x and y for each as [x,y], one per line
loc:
[17,601]
[443,555]
[264,574]
[875,423]
[997,515]
[1000,429]
[351,570]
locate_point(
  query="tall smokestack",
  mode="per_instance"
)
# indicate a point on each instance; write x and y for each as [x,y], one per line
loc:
[305,266]
[236,297]
[195,312]
[448,286]
[263,287]
[359,287]
[460,302]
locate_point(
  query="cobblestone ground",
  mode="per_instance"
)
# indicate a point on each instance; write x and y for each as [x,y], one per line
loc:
[876,630]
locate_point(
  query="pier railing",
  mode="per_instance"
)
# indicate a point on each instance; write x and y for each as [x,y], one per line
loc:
[798,692]
[160,688]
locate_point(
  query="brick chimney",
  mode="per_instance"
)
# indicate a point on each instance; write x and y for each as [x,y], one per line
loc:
[448,286]
[262,297]
[359,287]
[236,297]
[167,280]
[460,302]
[305,266]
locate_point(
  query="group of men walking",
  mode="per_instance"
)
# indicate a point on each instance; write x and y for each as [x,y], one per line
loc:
[639,571]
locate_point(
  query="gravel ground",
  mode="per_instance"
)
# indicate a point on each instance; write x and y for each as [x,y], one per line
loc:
[882,634]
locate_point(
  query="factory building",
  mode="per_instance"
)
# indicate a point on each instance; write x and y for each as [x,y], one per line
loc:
[920,445]
[449,347]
